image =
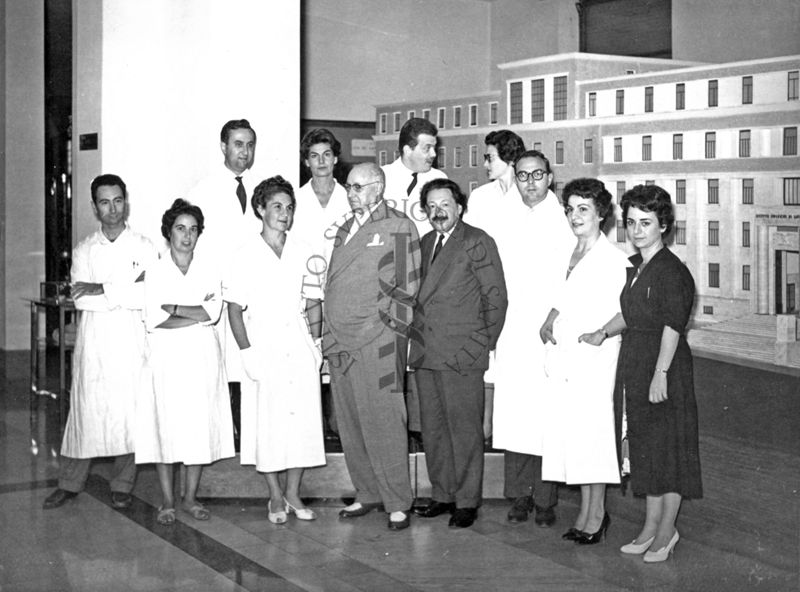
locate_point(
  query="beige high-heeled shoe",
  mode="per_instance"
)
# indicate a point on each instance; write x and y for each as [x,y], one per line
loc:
[664,552]
[301,513]
[275,517]
[633,549]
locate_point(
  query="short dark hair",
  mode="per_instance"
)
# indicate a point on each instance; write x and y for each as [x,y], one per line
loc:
[108,180]
[534,154]
[411,130]
[234,124]
[593,189]
[180,207]
[650,198]
[319,136]
[441,183]
[509,145]
[268,189]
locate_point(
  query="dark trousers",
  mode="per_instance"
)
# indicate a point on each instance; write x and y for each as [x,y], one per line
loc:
[451,406]
[523,476]
[73,472]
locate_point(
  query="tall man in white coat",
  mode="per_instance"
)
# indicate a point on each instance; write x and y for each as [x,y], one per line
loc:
[537,241]
[224,197]
[107,287]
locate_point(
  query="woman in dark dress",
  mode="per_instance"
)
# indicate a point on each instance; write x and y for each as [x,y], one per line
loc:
[654,392]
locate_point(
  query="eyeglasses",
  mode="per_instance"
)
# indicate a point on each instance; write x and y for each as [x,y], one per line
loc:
[356,187]
[523,176]
[488,158]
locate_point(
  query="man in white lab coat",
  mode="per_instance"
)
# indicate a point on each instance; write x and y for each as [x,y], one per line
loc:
[107,273]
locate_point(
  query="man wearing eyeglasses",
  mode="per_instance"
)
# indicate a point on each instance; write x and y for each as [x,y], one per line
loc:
[412,169]
[371,289]
[536,242]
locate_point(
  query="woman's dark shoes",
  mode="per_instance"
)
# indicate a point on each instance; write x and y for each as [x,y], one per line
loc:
[586,538]
[572,534]
[463,518]
[434,509]
[361,510]
[58,498]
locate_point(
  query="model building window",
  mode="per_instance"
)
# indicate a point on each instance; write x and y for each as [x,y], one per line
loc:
[537,100]
[559,98]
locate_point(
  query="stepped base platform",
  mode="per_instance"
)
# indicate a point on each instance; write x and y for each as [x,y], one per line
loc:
[229,479]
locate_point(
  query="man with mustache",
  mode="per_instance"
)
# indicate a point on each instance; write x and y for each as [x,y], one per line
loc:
[460,312]
[224,197]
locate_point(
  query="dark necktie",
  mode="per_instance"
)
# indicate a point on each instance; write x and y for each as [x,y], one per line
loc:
[412,184]
[438,247]
[241,194]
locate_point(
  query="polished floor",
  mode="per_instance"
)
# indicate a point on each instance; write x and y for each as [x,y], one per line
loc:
[743,535]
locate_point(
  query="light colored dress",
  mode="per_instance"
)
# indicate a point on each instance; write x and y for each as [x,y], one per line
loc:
[533,251]
[186,415]
[109,347]
[281,412]
[316,225]
[579,445]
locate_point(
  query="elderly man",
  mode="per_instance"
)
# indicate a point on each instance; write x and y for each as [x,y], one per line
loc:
[460,313]
[536,242]
[372,283]
[412,169]
[107,273]
[224,197]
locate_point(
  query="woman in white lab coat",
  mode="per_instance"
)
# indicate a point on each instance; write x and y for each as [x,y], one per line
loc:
[274,293]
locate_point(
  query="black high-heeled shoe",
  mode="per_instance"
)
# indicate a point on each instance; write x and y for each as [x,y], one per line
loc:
[586,538]
[572,534]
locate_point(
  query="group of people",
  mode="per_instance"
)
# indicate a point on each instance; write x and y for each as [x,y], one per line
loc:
[585,348]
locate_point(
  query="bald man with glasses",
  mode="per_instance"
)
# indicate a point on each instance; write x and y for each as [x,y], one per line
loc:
[371,289]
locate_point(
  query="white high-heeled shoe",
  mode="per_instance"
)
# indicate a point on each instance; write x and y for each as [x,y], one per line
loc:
[633,549]
[301,513]
[275,517]
[664,552]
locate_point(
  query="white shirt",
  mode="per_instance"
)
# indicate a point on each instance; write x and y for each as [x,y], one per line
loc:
[398,178]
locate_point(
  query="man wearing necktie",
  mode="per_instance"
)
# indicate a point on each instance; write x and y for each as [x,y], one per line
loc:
[412,169]
[460,312]
[224,196]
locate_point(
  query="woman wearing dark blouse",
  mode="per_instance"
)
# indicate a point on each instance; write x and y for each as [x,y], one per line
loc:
[654,394]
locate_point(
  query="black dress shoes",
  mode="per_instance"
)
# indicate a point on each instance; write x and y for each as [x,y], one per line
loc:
[121,500]
[572,534]
[364,509]
[463,517]
[58,498]
[545,517]
[520,509]
[434,509]
[400,524]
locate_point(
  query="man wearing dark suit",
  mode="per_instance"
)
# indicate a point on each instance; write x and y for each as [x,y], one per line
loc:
[370,293]
[460,313]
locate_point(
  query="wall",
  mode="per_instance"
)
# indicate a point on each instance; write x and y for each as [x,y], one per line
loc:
[158,78]
[22,172]
[357,54]
[523,29]
[745,30]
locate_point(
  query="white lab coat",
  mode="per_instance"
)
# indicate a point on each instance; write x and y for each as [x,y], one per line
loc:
[533,249]
[282,411]
[109,349]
